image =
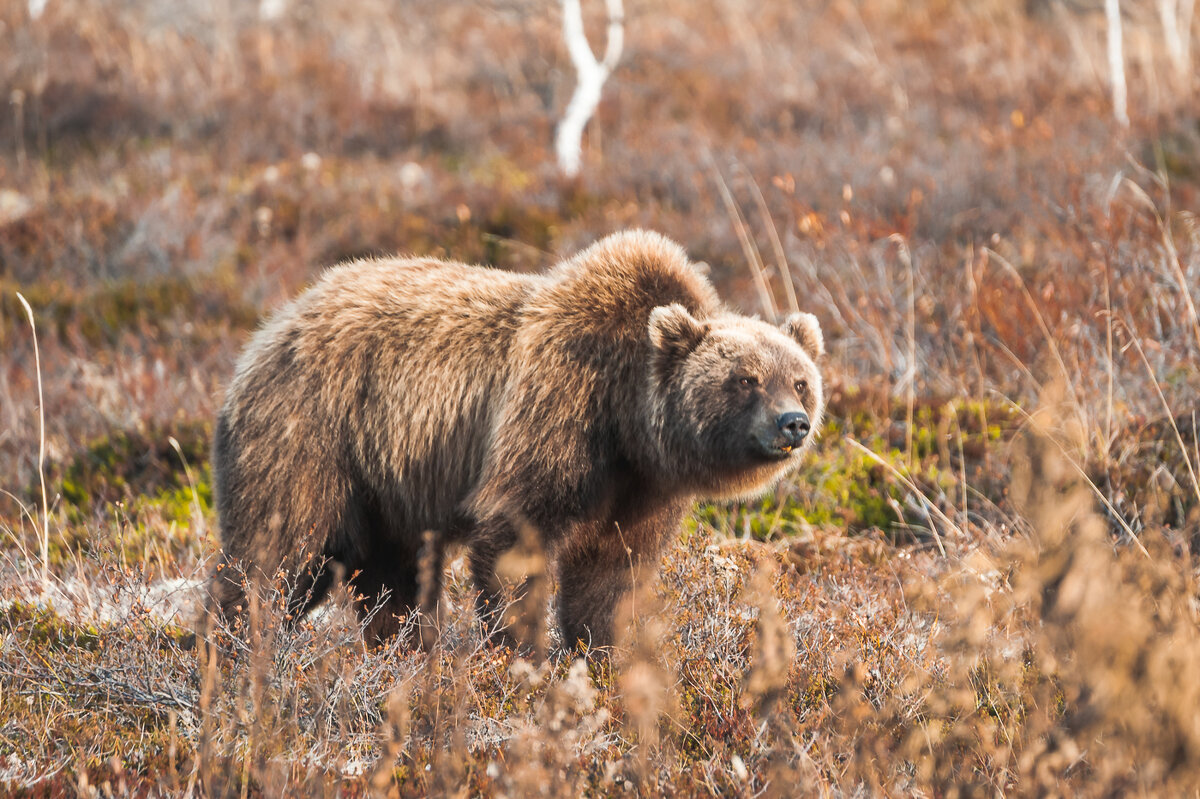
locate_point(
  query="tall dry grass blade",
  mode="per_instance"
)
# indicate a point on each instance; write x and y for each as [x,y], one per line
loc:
[973,328]
[962,468]
[748,247]
[765,684]
[937,537]
[911,393]
[643,682]
[17,98]
[1046,334]
[1195,439]
[203,765]
[1108,344]
[394,732]
[187,471]
[37,360]
[781,263]
[1166,408]
[1092,485]
[429,586]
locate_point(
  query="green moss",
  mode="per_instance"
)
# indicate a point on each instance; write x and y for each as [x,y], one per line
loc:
[150,306]
[43,627]
[128,494]
[842,487]
[163,524]
[128,464]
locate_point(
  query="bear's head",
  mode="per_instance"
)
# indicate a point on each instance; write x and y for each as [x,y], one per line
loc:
[736,400]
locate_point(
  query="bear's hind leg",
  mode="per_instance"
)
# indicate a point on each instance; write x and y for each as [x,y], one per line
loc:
[398,583]
[227,593]
[279,507]
[311,585]
[384,595]
[489,542]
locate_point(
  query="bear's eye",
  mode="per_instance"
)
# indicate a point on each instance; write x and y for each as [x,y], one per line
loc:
[747,382]
[801,386]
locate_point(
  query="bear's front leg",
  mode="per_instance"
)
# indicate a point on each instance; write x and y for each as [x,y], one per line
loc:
[592,579]
[597,571]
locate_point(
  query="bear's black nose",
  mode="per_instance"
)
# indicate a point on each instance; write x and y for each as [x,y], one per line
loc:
[794,426]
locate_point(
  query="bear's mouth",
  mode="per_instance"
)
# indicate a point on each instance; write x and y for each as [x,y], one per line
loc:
[776,450]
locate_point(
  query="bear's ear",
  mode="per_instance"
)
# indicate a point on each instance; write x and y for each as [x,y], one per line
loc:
[674,331]
[806,330]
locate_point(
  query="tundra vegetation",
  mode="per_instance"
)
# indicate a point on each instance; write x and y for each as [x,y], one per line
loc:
[983,581]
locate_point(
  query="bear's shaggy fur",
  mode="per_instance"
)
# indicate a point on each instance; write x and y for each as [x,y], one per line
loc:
[594,402]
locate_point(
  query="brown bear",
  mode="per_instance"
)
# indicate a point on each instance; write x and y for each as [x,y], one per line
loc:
[595,403]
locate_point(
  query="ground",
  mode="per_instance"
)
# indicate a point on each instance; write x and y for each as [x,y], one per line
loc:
[981,582]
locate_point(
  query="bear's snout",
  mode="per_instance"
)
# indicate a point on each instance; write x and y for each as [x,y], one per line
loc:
[794,427]
[778,436]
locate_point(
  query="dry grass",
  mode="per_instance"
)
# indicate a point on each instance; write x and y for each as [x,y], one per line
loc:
[983,582]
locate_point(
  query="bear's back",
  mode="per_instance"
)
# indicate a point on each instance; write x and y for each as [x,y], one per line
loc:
[394,365]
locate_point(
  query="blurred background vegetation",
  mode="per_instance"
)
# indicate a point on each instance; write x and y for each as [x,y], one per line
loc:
[946,185]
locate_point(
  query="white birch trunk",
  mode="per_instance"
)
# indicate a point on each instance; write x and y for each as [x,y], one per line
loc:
[591,75]
[1116,61]
[269,10]
[1176,18]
